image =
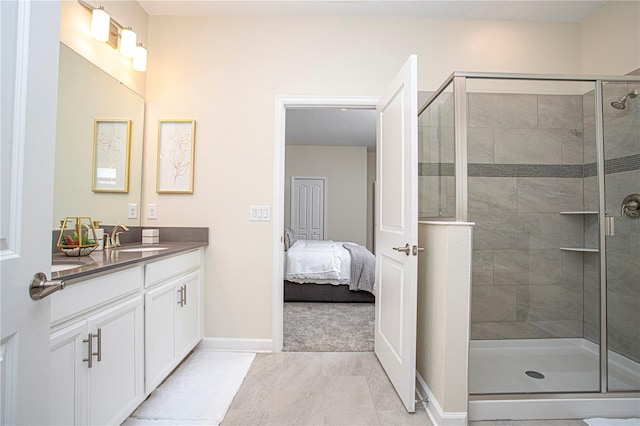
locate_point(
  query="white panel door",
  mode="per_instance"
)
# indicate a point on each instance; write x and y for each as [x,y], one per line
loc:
[308,207]
[30,34]
[397,213]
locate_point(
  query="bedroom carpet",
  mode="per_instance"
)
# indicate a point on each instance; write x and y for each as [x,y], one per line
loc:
[328,327]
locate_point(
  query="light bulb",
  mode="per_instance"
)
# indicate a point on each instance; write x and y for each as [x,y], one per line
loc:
[128,43]
[100,22]
[140,58]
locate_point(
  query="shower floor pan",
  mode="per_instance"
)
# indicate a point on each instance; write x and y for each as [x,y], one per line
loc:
[568,365]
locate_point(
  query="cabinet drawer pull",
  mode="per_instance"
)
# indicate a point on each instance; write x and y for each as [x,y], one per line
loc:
[184,293]
[89,359]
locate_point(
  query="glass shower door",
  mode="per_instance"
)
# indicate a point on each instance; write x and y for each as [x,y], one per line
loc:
[621,130]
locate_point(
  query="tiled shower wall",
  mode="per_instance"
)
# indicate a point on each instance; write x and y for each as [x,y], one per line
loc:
[526,156]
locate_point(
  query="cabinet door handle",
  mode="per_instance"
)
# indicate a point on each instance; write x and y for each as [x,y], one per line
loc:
[99,344]
[185,295]
[181,301]
[89,341]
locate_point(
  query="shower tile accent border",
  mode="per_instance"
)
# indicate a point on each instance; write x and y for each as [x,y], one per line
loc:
[525,170]
[615,165]
[504,170]
[435,169]
[612,166]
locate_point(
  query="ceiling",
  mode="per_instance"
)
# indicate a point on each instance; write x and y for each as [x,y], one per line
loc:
[332,126]
[519,10]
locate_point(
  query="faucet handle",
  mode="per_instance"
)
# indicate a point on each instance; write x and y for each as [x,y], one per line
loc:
[107,242]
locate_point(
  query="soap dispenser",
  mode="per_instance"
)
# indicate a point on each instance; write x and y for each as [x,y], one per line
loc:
[99,235]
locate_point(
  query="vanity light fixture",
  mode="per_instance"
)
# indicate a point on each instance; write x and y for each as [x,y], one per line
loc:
[105,28]
[128,42]
[140,58]
[100,23]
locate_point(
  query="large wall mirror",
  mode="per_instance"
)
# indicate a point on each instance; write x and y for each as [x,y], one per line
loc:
[86,94]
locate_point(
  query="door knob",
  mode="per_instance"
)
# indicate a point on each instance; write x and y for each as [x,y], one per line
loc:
[406,249]
[40,287]
[417,250]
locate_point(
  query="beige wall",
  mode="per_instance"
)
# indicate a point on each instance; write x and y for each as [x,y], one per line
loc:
[75,26]
[611,39]
[225,73]
[345,168]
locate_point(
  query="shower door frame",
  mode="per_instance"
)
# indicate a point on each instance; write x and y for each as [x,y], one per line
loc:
[458,81]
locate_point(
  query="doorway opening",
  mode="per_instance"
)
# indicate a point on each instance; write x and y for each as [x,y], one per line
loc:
[331,140]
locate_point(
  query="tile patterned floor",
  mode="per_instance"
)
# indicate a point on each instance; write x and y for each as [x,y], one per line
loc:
[319,388]
[329,388]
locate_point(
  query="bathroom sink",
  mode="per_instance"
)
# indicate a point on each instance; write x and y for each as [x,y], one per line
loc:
[63,266]
[141,249]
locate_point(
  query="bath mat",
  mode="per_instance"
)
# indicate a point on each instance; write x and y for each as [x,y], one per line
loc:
[612,422]
[200,391]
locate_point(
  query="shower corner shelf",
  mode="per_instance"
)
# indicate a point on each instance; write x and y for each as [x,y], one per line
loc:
[580,212]
[580,249]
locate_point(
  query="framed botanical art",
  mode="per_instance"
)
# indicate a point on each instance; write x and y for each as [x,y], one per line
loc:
[111,147]
[176,140]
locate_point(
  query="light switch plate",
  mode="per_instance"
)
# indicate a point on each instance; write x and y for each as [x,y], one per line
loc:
[132,211]
[152,211]
[259,213]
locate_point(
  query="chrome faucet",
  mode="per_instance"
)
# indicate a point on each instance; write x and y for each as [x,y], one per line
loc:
[113,240]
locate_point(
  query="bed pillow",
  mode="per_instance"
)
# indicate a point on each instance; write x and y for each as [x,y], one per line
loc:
[290,237]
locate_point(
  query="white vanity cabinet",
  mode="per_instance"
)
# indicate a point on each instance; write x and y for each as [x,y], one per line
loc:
[173,313]
[96,350]
[118,334]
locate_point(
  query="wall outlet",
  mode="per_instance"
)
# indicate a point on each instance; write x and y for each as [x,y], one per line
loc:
[152,211]
[132,211]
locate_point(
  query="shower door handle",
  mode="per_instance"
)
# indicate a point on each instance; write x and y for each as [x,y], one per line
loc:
[610,226]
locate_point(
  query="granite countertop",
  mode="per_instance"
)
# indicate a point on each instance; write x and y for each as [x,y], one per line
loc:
[100,262]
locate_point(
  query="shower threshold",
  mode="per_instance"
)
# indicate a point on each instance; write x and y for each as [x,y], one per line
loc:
[568,365]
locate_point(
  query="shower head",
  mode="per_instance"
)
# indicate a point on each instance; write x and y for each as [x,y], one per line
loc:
[622,102]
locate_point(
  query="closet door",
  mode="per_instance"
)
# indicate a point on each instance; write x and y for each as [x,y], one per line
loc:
[308,207]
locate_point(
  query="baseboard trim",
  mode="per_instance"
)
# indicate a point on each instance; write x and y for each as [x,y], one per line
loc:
[236,344]
[435,412]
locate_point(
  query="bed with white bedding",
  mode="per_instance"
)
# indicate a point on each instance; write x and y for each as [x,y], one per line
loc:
[329,271]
